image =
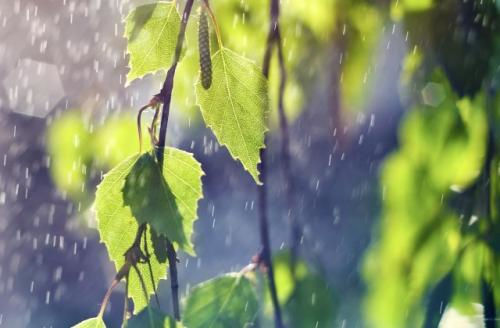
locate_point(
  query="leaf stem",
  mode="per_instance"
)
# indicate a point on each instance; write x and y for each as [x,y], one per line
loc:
[165,96]
[146,251]
[125,301]
[106,297]
[285,156]
[214,21]
[143,285]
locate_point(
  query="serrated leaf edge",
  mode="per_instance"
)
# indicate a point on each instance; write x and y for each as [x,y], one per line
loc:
[124,21]
[266,113]
[190,250]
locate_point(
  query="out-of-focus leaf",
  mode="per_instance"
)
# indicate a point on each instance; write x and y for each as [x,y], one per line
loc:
[454,153]
[319,16]
[412,72]
[226,301]
[306,298]
[357,71]
[235,107]
[311,304]
[116,140]
[91,323]
[68,146]
[466,60]
[151,317]
[151,31]
[442,148]
[467,279]
[283,275]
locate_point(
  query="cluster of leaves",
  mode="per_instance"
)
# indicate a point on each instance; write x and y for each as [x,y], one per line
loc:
[226,301]
[306,298]
[139,191]
[435,242]
[235,106]
[232,300]
[308,29]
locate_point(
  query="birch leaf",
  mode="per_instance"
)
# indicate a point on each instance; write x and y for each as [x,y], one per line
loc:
[151,32]
[235,107]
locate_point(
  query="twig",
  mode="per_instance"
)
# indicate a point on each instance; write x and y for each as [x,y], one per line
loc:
[143,284]
[125,302]
[106,297]
[265,256]
[165,96]
[285,155]
[149,266]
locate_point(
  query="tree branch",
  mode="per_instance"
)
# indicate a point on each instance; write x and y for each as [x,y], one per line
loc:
[285,156]
[272,37]
[165,97]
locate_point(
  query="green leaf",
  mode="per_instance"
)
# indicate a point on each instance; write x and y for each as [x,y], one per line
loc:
[284,277]
[358,69]
[467,278]
[311,304]
[227,301]
[91,323]
[117,229]
[68,146]
[168,204]
[235,107]
[115,140]
[152,318]
[128,195]
[151,31]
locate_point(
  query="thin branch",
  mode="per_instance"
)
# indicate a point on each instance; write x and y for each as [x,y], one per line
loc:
[139,128]
[165,96]
[146,251]
[125,302]
[106,297]
[143,285]
[265,255]
[285,155]
[214,21]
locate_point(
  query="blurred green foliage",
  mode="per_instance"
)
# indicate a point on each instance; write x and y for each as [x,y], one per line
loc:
[306,299]
[225,301]
[308,29]
[365,30]
[439,218]
[80,151]
[68,148]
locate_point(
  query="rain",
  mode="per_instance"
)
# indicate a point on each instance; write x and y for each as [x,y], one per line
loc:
[355,82]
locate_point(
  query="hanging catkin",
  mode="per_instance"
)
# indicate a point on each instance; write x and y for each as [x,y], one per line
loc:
[204,49]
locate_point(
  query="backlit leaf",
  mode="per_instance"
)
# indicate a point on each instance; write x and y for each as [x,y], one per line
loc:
[117,229]
[151,31]
[151,317]
[127,196]
[91,323]
[168,204]
[235,107]
[227,301]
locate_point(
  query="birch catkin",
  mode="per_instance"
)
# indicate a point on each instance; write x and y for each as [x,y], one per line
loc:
[204,49]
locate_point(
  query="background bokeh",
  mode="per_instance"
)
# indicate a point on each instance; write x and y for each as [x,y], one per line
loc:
[388,108]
